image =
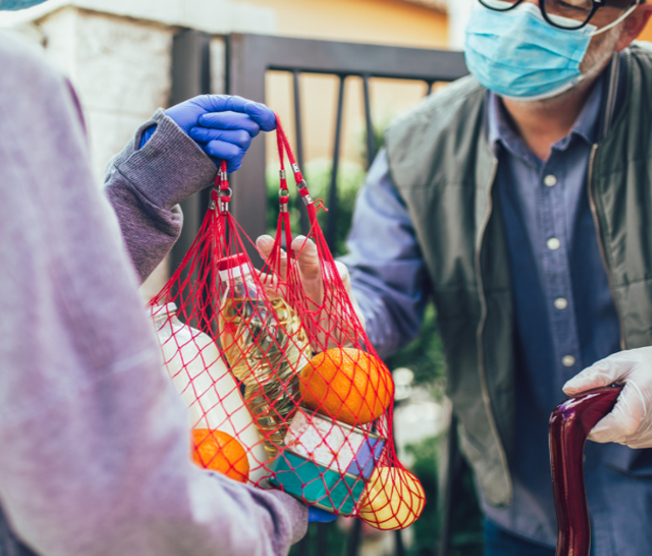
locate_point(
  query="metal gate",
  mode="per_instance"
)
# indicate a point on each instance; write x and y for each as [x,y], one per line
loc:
[249,58]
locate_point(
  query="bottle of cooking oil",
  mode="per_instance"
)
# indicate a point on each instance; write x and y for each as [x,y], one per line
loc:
[265,345]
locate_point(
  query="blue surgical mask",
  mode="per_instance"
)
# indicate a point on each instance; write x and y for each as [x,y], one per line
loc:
[518,54]
[18,4]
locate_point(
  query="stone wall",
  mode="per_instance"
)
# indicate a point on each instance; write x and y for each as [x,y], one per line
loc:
[117,54]
[120,69]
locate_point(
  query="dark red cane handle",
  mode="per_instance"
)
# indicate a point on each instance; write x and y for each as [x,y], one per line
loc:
[570,424]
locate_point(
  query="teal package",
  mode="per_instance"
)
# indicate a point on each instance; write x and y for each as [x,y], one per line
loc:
[314,484]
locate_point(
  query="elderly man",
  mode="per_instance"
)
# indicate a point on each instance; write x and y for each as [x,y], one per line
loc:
[519,199]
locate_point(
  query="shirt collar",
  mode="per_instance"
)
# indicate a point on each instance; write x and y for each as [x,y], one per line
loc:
[500,130]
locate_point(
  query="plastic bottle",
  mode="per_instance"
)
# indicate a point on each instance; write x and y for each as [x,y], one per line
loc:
[206,385]
[265,345]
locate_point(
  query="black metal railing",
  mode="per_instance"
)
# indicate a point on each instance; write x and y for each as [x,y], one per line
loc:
[249,58]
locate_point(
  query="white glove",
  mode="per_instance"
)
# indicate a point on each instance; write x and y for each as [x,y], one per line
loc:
[310,270]
[630,422]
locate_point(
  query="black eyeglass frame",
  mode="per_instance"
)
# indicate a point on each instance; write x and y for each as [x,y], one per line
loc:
[597,4]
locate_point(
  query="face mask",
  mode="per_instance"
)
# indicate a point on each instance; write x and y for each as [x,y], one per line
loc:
[518,54]
[18,4]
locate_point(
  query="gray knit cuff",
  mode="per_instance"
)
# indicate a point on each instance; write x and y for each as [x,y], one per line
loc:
[170,167]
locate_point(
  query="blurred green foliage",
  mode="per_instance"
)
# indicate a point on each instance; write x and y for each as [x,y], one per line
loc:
[424,356]
[318,177]
[466,539]
[427,530]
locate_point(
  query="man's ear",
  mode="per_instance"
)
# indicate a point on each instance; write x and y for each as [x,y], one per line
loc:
[634,25]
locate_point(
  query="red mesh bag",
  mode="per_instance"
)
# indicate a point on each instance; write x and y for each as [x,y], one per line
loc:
[283,390]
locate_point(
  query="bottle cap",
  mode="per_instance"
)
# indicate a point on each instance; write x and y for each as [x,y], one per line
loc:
[235,265]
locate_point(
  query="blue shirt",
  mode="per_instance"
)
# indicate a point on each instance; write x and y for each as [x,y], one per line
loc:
[565,317]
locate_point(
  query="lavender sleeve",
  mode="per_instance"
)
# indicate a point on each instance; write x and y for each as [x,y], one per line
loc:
[95,447]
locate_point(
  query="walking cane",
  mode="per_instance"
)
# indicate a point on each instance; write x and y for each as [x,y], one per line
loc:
[570,425]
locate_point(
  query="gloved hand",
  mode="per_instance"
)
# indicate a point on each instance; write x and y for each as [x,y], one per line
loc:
[308,261]
[223,126]
[316,515]
[630,422]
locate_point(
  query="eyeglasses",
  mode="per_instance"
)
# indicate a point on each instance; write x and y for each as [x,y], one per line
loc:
[566,14]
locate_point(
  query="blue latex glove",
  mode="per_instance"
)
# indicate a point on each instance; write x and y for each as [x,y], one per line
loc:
[222,125]
[316,515]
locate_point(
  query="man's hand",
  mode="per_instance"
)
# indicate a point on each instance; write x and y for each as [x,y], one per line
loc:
[630,422]
[307,258]
[223,126]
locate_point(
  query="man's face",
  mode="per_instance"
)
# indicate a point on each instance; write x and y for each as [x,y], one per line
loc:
[602,45]
[537,51]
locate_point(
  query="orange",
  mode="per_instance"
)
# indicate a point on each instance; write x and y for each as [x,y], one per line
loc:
[219,451]
[346,384]
[392,499]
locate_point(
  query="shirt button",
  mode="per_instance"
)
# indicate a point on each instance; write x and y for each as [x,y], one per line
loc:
[553,244]
[569,361]
[561,303]
[550,180]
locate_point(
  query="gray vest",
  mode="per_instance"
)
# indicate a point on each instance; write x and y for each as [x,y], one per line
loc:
[444,169]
